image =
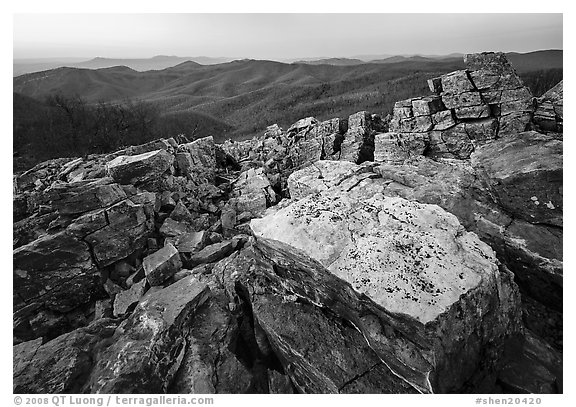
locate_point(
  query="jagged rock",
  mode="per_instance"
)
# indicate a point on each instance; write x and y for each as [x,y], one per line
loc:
[340,362]
[127,298]
[46,172]
[211,253]
[322,247]
[83,196]
[138,169]
[191,242]
[161,265]
[168,145]
[173,228]
[524,174]
[443,120]
[61,365]
[531,367]
[549,115]
[56,270]
[147,348]
[457,141]
[302,125]
[395,148]
[481,131]
[279,383]
[358,144]
[127,226]
[103,309]
[209,366]
[252,192]
[198,159]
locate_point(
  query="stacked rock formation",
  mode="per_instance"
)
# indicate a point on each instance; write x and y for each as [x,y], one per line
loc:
[335,257]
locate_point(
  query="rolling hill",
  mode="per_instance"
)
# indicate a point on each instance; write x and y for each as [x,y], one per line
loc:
[239,99]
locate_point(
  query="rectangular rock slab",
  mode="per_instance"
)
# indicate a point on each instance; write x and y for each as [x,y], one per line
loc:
[139,168]
[161,265]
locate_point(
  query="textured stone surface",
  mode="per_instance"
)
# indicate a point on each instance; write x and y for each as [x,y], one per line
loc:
[56,270]
[549,114]
[135,169]
[147,348]
[84,196]
[161,265]
[61,365]
[322,176]
[341,362]
[418,271]
[524,174]
[125,299]
[395,148]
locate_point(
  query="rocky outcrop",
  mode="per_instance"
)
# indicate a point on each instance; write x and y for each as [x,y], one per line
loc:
[549,113]
[379,260]
[469,107]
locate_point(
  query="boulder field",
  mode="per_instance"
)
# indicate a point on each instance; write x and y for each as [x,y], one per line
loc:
[415,253]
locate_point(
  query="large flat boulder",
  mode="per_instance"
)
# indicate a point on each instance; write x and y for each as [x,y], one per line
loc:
[417,285]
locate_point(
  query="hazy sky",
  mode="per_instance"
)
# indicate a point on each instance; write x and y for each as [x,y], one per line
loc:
[279,36]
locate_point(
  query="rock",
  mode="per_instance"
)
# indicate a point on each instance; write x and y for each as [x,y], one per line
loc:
[23,354]
[531,367]
[279,383]
[322,247]
[180,213]
[138,169]
[61,365]
[191,242]
[161,265]
[340,362]
[524,174]
[358,144]
[211,253]
[200,159]
[228,219]
[209,366]
[56,270]
[173,228]
[322,176]
[302,125]
[83,196]
[395,148]
[147,348]
[549,114]
[457,141]
[125,299]
[167,145]
[127,228]
[103,309]
[252,192]
[182,274]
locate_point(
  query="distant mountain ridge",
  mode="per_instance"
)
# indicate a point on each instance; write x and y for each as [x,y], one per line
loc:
[239,99]
[22,67]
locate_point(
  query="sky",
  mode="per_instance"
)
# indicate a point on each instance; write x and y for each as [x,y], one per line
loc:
[279,36]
